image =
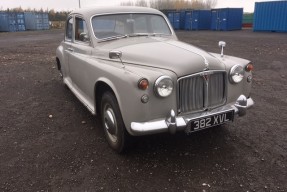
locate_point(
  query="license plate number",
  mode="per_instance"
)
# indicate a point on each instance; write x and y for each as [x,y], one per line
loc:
[210,121]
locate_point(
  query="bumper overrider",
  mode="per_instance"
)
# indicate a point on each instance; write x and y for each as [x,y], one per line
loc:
[173,123]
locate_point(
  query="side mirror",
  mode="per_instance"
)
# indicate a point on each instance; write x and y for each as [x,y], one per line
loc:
[115,55]
[221,44]
[84,37]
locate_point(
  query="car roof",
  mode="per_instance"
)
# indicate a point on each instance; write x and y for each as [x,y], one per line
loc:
[88,12]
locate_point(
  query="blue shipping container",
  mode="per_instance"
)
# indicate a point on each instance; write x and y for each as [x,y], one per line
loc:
[226,19]
[174,19]
[12,21]
[20,20]
[170,17]
[182,19]
[201,19]
[4,21]
[36,21]
[188,20]
[197,20]
[270,16]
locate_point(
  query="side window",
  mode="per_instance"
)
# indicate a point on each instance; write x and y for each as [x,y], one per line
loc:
[69,28]
[81,31]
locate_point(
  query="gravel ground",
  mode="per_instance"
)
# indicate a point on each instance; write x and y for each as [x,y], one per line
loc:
[68,152]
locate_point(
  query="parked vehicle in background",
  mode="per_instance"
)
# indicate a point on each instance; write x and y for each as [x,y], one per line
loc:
[127,65]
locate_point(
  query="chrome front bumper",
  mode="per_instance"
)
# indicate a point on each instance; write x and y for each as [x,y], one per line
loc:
[174,123]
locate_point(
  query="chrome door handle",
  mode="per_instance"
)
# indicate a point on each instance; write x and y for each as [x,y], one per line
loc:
[70,49]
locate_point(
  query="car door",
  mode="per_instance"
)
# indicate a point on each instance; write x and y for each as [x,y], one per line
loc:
[67,43]
[80,67]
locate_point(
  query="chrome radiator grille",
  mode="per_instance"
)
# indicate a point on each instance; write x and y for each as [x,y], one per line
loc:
[201,91]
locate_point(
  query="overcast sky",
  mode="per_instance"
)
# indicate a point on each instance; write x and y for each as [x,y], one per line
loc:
[248,5]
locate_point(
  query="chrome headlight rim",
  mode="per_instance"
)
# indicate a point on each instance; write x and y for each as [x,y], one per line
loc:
[236,70]
[158,81]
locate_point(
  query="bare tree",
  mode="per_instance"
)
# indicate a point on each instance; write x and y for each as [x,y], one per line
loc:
[127,3]
[162,4]
[210,4]
[141,3]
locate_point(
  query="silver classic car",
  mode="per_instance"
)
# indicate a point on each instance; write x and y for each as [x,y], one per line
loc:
[126,65]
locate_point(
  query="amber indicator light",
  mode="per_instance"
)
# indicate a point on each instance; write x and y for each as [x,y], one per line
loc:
[249,67]
[143,84]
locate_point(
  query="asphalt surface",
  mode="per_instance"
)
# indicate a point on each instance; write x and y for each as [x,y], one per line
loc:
[68,152]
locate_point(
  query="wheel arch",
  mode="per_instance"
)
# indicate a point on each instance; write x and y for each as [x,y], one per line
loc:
[59,56]
[101,86]
[58,63]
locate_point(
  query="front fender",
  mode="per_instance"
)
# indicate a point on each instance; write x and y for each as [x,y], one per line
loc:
[124,83]
[235,90]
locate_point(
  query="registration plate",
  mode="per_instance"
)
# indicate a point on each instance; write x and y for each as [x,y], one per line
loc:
[210,121]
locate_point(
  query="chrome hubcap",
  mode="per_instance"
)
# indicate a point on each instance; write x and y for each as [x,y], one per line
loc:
[110,123]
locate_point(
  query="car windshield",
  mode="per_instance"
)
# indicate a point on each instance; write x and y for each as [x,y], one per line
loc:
[129,25]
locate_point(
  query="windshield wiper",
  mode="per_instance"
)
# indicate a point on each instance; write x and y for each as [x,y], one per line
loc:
[147,34]
[132,35]
[138,34]
[113,38]
[160,34]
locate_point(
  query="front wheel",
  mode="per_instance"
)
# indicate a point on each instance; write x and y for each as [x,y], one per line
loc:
[112,123]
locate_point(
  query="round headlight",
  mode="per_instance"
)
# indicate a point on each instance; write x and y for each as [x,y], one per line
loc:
[163,86]
[236,74]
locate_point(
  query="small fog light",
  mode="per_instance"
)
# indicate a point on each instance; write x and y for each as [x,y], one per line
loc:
[144,98]
[249,78]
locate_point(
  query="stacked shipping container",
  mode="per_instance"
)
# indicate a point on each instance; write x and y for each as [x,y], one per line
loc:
[247,20]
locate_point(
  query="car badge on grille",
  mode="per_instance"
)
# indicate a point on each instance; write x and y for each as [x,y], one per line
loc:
[206,75]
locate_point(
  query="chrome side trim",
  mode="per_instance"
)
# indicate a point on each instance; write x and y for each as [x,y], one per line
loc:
[174,123]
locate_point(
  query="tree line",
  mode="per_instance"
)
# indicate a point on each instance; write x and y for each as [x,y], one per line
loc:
[172,4]
[156,4]
[53,15]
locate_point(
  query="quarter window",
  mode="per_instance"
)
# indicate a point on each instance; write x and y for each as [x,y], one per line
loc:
[69,29]
[81,31]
